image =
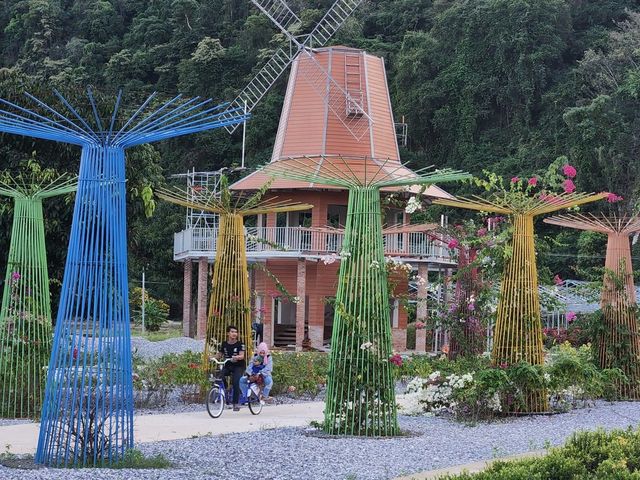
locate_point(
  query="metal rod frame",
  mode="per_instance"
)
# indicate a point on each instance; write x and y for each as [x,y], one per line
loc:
[360,396]
[87,415]
[230,300]
[25,315]
[518,329]
[618,345]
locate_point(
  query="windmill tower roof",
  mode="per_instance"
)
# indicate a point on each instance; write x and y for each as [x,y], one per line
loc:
[311,126]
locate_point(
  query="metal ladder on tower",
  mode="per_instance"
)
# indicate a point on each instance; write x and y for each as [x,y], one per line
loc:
[353,84]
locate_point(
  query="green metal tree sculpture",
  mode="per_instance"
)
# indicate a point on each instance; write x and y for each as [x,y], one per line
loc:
[25,315]
[230,302]
[360,391]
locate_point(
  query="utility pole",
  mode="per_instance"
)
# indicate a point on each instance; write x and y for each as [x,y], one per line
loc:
[144,299]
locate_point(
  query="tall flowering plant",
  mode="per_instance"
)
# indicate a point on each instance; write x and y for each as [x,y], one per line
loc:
[470,310]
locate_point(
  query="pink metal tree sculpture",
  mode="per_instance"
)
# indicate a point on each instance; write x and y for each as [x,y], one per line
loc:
[618,342]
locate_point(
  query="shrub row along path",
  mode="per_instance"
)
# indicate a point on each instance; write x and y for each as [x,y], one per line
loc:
[279,445]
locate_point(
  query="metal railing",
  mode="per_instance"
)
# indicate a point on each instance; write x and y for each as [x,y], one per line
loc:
[283,241]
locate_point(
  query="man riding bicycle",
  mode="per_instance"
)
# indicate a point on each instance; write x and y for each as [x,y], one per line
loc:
[234,350]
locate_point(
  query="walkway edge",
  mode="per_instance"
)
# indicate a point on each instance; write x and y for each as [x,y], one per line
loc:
[474,467]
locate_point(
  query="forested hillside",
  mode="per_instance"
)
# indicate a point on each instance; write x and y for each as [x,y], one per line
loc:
[506,85]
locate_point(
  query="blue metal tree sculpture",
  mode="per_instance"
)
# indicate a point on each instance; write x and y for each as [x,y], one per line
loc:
[87,415]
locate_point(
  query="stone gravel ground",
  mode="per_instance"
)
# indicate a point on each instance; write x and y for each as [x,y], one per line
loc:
[150,350]
[292,453]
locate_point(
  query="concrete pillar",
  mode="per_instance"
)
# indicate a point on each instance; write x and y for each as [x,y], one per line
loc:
[422,312]
[203,267]
[186,298]
[301,291]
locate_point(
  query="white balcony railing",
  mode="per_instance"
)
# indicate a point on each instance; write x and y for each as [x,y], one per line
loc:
[288,241]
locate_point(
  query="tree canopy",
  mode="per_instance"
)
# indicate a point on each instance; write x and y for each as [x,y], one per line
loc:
[504,85]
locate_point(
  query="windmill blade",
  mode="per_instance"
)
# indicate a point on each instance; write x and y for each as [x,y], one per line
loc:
[279,13]
[348,109]
[331,22]
[261,83]
[344,106]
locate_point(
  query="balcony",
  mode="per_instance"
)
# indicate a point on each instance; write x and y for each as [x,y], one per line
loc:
[292,242]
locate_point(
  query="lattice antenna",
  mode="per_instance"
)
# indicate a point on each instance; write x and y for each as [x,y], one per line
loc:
[360,396]
[618,343]
[518,329]
[87,415]
[336,97]
[25,314]
[230,301]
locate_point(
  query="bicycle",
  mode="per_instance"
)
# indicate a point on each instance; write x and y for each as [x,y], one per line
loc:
[218,395]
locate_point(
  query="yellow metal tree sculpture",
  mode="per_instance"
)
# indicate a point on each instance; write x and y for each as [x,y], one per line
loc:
[230,302]
[518,329]
[618,345]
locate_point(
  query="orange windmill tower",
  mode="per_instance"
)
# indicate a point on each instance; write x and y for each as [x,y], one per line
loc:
[619,340]
[337,120]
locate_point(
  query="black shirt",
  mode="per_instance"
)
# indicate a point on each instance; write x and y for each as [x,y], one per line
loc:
[228,350]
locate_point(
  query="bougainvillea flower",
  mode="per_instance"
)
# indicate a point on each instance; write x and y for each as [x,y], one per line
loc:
[396,359]
[569,186]
[453,243]
[557,280]
[569,171]
[612,197]
[515,179]
[571,316]
[533,181]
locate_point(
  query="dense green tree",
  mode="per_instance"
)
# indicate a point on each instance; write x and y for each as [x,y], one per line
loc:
[507,85]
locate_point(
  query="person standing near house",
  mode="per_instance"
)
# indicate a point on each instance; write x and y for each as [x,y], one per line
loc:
[264,371]
[234,350]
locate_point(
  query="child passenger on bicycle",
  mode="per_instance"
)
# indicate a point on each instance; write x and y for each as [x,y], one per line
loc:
[259,371]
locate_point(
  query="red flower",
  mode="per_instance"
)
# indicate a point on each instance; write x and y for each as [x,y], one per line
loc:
[533,181]
[396,359]
[515,179]
[75,353]
[612,197]
[193,365]
[569,186]
[453,243]
[569,171]
[557,280]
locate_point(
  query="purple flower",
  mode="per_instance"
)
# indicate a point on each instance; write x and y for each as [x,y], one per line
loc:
[571,316]
[471,307]
[15,276]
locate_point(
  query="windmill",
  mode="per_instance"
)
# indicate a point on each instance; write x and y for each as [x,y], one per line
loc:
[346,103]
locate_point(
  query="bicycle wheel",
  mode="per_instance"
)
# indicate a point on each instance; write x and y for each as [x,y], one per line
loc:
[215,402]
[254,403]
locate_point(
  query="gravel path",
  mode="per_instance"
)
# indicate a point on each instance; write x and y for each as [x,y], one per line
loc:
[291,454]
[148,350]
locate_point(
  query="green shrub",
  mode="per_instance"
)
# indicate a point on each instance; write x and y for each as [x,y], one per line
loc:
[586,455]
[156,311]
[299,372]
[153,380]
[134,458]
